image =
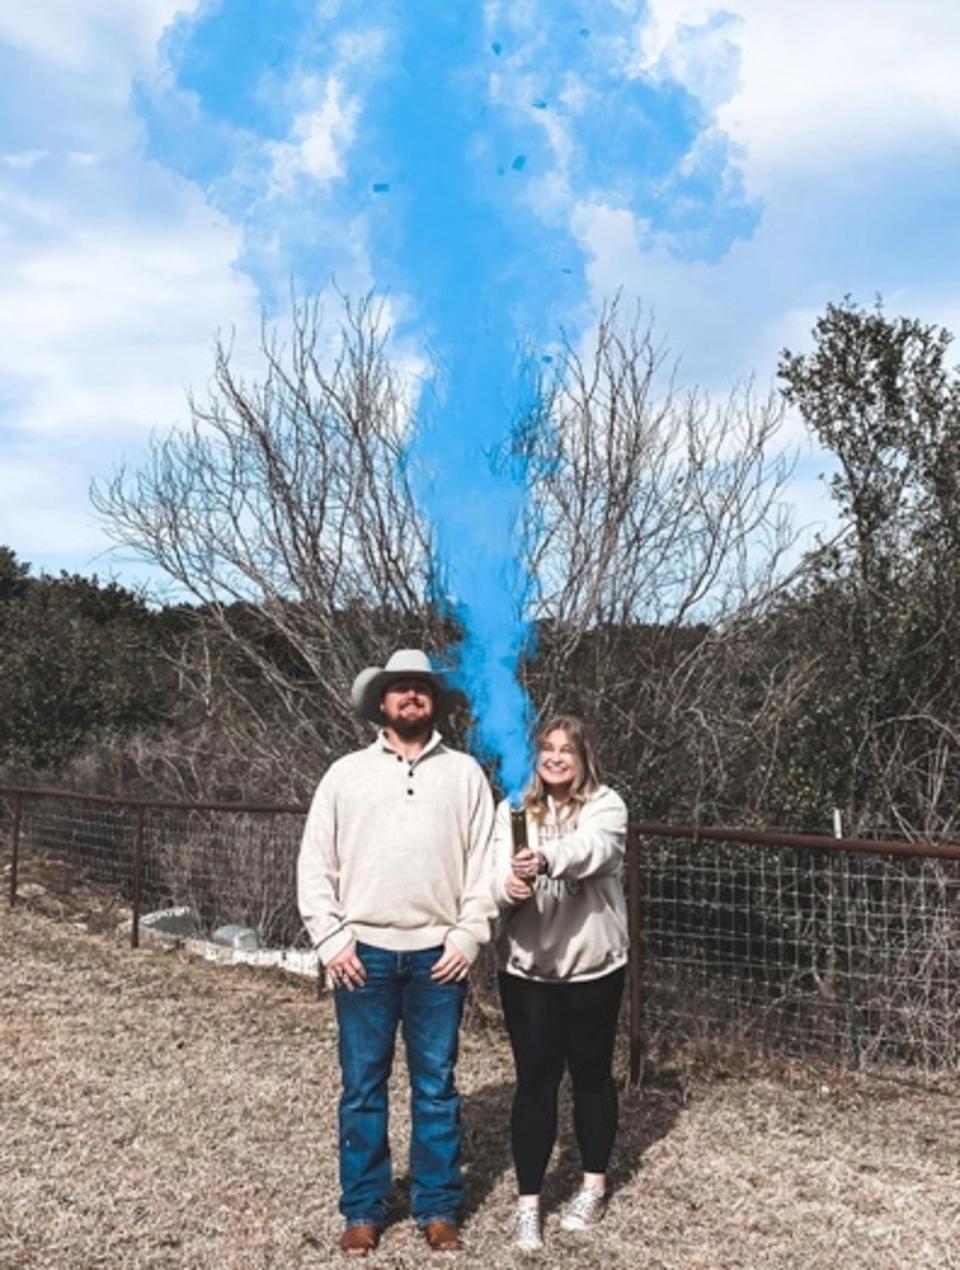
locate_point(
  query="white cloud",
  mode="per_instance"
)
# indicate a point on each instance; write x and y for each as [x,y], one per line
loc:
[846,115]
[103,326]
[115,275]
[106,34]
[24,159]
[822,82]
[693,44]
[324,126]
[320,138]
[43,506]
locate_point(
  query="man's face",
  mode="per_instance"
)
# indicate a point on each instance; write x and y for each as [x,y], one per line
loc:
[407,705]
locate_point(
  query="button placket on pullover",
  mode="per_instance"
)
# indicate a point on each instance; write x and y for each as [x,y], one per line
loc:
[412,764]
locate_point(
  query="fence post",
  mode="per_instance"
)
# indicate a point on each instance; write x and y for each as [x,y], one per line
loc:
[635,922]
[15,844]
[137,879]
[854,1047]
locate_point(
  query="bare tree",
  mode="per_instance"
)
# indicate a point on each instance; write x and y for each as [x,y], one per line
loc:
[656,532]
[650,506]
[284,514]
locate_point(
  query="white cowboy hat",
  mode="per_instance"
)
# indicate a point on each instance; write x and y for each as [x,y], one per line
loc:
[370,685]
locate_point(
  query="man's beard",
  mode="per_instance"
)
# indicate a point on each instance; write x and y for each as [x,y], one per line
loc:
[409,729]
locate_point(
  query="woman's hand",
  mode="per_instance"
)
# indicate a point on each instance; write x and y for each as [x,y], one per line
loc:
[517,891]
[528,864]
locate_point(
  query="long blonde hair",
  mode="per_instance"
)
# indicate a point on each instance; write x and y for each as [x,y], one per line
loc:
[585,783]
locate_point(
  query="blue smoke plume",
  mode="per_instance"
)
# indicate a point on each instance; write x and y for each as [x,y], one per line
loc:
[457,228]
[452,146]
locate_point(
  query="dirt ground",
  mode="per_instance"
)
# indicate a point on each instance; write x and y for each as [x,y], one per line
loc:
[157,1111]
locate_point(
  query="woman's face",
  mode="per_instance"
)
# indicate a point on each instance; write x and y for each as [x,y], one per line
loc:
[557,764]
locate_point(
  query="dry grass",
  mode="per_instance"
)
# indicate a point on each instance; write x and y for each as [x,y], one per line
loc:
[159,1112]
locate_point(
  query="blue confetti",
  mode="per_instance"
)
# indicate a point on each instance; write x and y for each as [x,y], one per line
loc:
[538,103]
[497,47]
[519,163]
[381,187]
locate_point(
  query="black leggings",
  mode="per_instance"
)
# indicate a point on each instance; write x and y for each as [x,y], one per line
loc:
[553,1025]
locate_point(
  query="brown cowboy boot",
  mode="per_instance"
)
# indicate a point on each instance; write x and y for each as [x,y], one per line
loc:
[442,1236]
[357,1241]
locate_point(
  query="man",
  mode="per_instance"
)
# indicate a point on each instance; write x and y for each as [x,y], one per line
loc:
[394,889]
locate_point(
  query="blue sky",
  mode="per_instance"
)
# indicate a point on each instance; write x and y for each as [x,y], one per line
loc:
[165,167]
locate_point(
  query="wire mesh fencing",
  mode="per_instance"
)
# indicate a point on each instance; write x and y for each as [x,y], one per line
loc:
[224,865]
[227,867]
[850,955]
[92,842]
[767,942]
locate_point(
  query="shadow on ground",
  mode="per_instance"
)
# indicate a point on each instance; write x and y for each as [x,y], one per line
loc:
[646,1116]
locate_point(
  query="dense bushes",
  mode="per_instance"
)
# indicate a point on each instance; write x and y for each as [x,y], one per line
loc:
[79,663]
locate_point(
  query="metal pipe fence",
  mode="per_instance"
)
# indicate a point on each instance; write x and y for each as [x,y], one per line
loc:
[795,944]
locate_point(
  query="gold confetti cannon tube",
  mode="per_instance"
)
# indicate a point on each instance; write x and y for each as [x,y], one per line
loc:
[518,828]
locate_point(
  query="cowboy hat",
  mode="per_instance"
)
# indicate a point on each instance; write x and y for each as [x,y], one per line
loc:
[371,683]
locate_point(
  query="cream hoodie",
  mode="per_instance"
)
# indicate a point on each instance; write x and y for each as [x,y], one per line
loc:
[574,926]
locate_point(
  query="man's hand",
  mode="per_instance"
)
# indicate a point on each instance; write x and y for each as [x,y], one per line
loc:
[516,890]
[452,966]
[346,969]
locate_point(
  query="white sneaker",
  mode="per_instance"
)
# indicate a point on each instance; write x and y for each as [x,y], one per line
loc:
[584,1210]
[527,1236]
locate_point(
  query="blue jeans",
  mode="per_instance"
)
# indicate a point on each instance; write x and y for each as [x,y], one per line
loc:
[399,990]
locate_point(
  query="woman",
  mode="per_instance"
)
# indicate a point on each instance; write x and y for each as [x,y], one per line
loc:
[562,955]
